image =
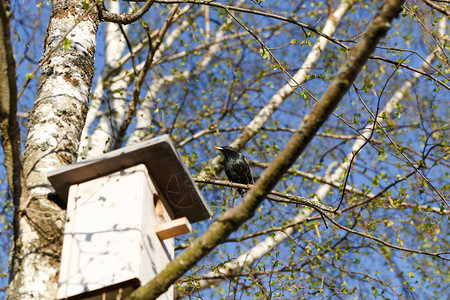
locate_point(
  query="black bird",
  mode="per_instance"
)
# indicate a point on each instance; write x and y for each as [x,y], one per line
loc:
[236,167]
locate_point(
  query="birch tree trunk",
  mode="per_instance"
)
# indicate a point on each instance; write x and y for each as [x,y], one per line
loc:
[92,145]
[54,129]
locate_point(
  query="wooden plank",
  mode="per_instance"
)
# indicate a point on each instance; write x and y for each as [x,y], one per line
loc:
[159,207]
[173,228]
[164,165]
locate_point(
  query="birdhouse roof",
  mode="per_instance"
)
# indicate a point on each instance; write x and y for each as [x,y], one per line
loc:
[163,163]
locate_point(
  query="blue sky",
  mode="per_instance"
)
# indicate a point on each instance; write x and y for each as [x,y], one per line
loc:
[288,116]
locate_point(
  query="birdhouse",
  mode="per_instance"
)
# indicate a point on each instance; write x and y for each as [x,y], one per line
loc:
[123,211]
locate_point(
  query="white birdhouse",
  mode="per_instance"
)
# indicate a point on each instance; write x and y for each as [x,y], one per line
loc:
[123,211]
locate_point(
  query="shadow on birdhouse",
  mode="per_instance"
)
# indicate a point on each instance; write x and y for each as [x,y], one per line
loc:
[123,211]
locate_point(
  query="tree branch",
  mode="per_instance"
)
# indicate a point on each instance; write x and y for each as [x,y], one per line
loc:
[272,195]
[442,9]
[378,240]
[10,131]
[141,79]
[277,99]
[263,247]
[232,219]
[124,18]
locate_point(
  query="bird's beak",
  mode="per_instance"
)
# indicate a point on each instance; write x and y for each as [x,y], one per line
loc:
[218,148]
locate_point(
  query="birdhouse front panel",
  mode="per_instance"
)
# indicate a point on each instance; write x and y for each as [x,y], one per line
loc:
[110,245]
[123,210]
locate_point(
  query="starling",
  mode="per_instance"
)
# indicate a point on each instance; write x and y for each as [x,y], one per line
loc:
[236,167]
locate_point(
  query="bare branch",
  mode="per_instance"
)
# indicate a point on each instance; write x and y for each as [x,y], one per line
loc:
[125,18]
[373,238]
[10,131]
[141,79]
[442,9]
[231,220]
[292,199]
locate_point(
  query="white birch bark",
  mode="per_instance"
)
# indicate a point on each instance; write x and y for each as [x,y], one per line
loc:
[144,112]
[54,129]
[110,64]
[270,243]
[100,140]
[103,137]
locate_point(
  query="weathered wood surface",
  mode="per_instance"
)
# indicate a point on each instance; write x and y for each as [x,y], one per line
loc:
[110,245]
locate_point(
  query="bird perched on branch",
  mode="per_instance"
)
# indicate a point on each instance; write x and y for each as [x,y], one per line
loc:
[236,167]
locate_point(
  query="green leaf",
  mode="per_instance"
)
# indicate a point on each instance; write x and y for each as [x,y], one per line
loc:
[67,43]
[264,54]
[355,120]
[85,4]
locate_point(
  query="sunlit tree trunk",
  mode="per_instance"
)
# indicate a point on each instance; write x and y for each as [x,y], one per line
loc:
[100,140]
[54,130]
